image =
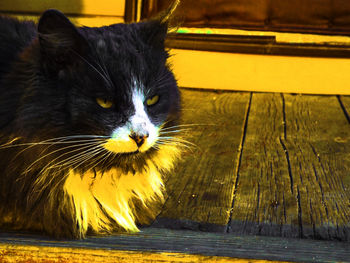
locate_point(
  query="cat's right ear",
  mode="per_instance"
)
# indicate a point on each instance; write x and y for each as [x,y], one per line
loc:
[60,41]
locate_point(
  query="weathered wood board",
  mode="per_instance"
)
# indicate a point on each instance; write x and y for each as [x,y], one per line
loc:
[164,245]
[294,178]
[200,189]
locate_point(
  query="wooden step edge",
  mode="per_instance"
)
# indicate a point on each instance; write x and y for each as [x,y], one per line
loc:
[27,253]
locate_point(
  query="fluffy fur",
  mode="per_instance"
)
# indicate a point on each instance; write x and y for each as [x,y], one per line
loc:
[64,171]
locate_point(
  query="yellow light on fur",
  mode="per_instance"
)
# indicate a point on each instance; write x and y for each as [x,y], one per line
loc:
[104,103]
[120,146]
[104,202]
[152,100]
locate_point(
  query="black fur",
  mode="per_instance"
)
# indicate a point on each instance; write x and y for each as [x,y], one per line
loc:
[50,76]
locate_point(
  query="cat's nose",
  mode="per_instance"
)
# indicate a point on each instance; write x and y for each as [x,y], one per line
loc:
[139,138]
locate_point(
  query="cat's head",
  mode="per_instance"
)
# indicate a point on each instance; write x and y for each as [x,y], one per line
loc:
[111,82]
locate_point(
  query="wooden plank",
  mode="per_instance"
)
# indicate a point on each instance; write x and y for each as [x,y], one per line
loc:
[25,253]
[163,245]
[345,104]
[200,189]
[317,131]
[293,178]
[263,203]
[86,7]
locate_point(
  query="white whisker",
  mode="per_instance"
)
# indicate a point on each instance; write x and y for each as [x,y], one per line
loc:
[85,145]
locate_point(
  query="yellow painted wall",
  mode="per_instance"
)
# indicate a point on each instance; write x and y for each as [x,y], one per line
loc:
[85,7]
[81,12]
[217,70]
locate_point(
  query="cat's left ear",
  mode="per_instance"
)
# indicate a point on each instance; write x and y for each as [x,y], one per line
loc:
[59,39]
[156,29]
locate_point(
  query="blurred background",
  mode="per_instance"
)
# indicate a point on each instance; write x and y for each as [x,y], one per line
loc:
[299,46]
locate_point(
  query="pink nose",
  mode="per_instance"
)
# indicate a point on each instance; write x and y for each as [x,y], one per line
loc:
[138,138]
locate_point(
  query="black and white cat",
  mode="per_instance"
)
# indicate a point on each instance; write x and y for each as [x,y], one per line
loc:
[87,124]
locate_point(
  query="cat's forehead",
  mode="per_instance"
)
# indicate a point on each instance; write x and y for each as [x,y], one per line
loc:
[114,39]
[125,58]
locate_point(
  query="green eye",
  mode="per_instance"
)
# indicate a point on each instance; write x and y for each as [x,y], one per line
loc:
[152,100]
[104,103]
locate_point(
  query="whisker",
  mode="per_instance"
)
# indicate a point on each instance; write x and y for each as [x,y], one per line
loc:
[104,69]
[174,131]
[177,140]
[45,171]
[49,141]
[86,145]
[182,125]
[94,68]
[101,158]
[107,157]
[51,144]
[76,157]
[83,158]
[176,144]
[90,156]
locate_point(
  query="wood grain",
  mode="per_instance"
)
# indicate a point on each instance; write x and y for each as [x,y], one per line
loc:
[293,177]
[164,245]
[263,203]
[200,189]
[29,254]
[317,134]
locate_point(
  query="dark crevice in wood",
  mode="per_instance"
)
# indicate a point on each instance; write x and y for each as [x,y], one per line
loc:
[347,116]
[284,117]
[257,203]
[200,188]
[283,145]
[284,208]
[289,165]
[320,162]
[245,125]
[300,220]
[322,195]
[311,217]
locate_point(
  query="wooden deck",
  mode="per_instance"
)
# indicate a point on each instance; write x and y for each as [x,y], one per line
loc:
[266,164]
[269,175]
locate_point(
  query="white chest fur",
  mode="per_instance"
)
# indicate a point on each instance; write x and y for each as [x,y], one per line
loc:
[102,201]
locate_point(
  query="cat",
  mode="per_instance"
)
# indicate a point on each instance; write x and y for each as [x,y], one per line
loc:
[88,125]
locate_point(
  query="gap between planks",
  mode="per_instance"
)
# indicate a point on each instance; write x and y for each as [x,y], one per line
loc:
[201,187]
[294,178]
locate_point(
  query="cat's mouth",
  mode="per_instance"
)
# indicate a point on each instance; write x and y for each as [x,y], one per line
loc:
[130,146]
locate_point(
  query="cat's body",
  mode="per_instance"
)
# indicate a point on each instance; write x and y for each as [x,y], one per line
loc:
[85,125]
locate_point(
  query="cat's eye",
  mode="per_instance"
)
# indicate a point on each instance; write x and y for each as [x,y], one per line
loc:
[152,100]
[104,103]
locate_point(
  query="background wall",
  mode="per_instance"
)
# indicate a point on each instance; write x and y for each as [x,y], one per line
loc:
[84,12]
[311,16]
[216,70]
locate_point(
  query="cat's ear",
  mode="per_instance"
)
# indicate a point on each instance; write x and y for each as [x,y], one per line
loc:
[59,39]
[156,29]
